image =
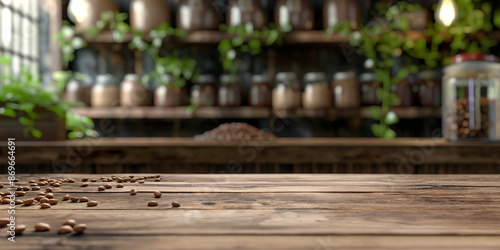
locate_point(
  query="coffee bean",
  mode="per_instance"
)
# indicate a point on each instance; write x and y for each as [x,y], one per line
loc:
[153,203]
[17,201]
[109,179]
[49,195]
[119,186]
[74,199]
[85,184]
[101,188]
[157,176]
[157,194]
[19,188]
[65,230]
[36,188]
[4,222]
[45,205]
[41,193]
[84,199]
[42,183]
[71,181]
[108,186]
[44,200]
[141,182]
[16,180]
[133,180]
[53,201]
[20,229]
[20,193]
[6,201]
[26,188]
[85,179]
[131,176]
[33,184]
[92,203]
[66,197]
[79,228]
[42,227]
[29,202]
[119,180]
[39,197]
[49,190]
[176,204]
[93,180]
[57,184]
[70,223]
[133,191]
[157,180]
[32,181]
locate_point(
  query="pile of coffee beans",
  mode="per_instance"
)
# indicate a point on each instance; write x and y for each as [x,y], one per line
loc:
[464,129]
[234,132]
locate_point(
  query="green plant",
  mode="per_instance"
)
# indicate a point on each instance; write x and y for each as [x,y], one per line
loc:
[24,96]
[385,39]
[68,42]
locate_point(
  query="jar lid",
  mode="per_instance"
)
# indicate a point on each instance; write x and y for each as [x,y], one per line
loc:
[205,79]
[286,77]
[367,77]
[106,80]
[313,77]
[132,78]
[428,75]
[342,76]
[260,78]
[229,78]
[474,57]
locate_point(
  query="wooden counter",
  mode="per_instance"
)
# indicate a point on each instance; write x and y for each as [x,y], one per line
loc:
[272,212]
[306,155]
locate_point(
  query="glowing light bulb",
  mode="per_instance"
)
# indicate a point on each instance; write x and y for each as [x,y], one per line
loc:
[446,12]
[77,10]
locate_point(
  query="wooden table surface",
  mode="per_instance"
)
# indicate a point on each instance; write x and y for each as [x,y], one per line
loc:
[307,211]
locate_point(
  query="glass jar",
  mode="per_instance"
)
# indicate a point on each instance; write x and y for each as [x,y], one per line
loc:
[316,94]
[147,14]
[79,91]
[87,13]
[133,93]
[204,92]
[298,13]
[229,91]
[195,15]
[105,92]
[338,11]
[429,88]
[345,90]
[471,92]
[260,91]
[287,93]
[403,89]
[167,95]
[241,12]
[369,87]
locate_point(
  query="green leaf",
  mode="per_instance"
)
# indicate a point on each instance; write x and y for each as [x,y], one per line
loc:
[36,133]
[389,134]
[394,99]
[377,130]
[391,118]
[376,112]
[5,60]
[25,121]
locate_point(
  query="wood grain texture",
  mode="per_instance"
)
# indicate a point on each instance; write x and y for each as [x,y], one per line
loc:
[308,211]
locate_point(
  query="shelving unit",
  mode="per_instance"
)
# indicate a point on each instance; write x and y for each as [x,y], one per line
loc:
[245,113]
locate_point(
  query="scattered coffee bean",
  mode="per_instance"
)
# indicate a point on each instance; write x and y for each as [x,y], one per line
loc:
[44,200]
[32,181]
[119,186]
[133,191]
[74,199]
[1,186]
[65,230]
[70,223]
[49,190]
[19,188]
[17,201]
[39,197]
[71,181]
[33,184]
[20,229]
[45,205]
[176,204]
[101,188]
[84,199]
[6,201]
[66,197]
[133,180]
[16,180]
[49,195]
[93,180]
[85,179]
[41,183]
[85,184]
[26,188]
[29,202]
[131,176]
[4,222]
[157,194]
[20,193]
[108,186]
[153,203]
[79,228]
[141,182]
[119,180]
[92,203]
[36,188]
[42,227]
[157,180]
[41,193]
[57,184]
[53,201]
[109,179]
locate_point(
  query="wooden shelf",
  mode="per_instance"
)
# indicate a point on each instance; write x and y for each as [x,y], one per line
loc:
[214,37]
[244,113]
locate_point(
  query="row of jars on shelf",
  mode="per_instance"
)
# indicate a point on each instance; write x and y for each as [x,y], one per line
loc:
[288,93]
[202,15]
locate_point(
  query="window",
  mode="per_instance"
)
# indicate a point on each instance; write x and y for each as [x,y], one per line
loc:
[19,34]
